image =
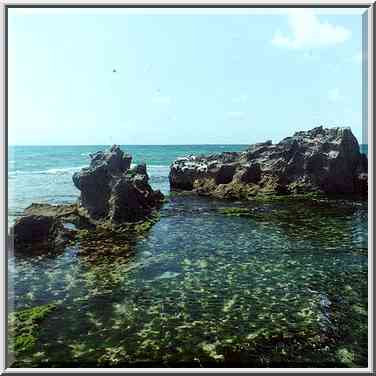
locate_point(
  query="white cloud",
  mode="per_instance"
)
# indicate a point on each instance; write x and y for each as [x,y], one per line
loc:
[307,31]
[162,99]
[334,95]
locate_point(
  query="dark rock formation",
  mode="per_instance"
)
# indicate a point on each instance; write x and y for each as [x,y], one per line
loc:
[113,192]
[319,160]
[42,227]
[112,195]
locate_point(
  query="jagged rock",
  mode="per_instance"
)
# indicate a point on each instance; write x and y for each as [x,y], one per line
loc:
[115,158]
[113,192]
[319,160]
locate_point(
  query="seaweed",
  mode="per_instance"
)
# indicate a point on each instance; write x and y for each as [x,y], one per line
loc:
[24,327]
[235,212]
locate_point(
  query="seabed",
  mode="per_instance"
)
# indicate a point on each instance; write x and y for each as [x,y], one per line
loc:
[269,283]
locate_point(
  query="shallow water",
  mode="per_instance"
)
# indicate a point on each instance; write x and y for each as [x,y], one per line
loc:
[286,286]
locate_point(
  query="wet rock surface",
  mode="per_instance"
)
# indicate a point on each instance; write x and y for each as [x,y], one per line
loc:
[320,160]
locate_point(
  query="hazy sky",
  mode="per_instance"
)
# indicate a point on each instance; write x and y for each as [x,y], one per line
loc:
[214,76]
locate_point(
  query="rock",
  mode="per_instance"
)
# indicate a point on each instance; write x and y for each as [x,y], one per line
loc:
[362,184]
[41,227]
[60,211]
[112,192]
[319,160]
[34,228]
[249,174]
[115,158]
[68,215]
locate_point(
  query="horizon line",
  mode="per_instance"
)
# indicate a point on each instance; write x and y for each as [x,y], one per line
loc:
[235,144]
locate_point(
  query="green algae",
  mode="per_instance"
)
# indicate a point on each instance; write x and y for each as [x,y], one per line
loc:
[300,218]
[107,250]
[109,242]
[346,357]
[142,228]
[235,212]
[112,356]
[120,232]
[272,197]
[104,255]
[24,327]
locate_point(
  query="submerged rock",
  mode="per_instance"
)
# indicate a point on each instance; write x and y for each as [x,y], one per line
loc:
[319,160]
[113,192]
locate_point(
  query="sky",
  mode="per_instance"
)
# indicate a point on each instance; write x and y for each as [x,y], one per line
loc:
[217,76]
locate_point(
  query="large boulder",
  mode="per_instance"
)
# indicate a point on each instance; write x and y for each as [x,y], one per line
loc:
[43,227]
[113,192]
[319,160]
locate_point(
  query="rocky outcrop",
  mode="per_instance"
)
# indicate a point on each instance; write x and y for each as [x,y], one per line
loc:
[113,195]
[113,192]
[319,160]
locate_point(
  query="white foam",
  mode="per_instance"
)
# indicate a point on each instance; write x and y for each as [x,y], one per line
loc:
[64,170]
[50,171]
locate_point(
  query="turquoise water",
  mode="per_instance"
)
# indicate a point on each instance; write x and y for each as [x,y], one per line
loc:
[283,287]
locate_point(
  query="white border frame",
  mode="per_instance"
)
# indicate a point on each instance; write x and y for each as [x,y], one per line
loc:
[210,3]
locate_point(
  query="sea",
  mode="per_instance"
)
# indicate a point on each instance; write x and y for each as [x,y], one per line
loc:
[284,287]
